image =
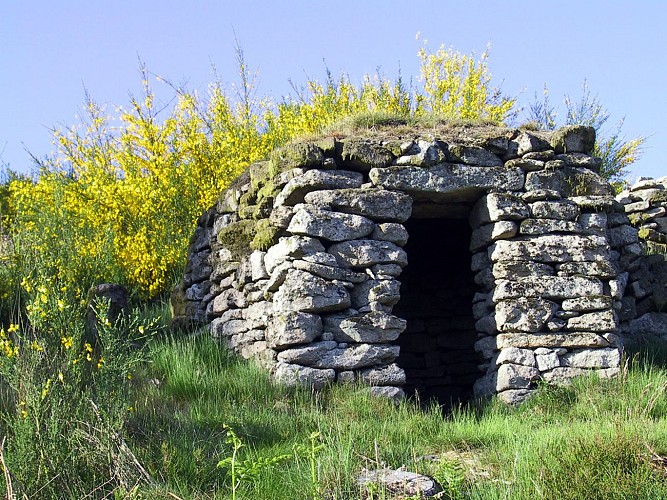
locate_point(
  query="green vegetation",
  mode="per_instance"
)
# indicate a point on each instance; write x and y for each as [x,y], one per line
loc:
[204,424]
[196,422]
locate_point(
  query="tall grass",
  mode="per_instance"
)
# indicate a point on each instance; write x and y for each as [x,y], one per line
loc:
[593,439]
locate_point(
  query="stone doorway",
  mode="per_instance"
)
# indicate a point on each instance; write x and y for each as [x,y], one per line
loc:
[437,289]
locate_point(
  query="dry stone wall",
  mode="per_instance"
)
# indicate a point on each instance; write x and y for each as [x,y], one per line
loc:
[524,262]
[645,270]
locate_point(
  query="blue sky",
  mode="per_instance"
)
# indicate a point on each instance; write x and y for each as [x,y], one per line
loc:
[50,51]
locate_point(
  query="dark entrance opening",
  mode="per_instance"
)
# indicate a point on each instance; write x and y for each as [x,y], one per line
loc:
[437,289]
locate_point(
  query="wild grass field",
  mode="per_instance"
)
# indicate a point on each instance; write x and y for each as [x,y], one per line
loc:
[143,412]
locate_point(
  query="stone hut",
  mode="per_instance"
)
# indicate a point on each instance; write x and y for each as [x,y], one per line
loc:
[451,262]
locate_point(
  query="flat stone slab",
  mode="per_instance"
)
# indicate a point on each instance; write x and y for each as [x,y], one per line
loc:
[302,291]
[554,287]
[447,178]
[399,482]
[552,248]
[366,253]
[378,205]
[295,190]
[332,226]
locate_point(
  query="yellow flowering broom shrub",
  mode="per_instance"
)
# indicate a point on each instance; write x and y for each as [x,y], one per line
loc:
[118,200]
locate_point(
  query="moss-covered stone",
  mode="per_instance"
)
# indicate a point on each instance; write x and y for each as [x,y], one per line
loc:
[247,198]
[362,155]
[237,237]
[646,233]
[573,139]
[658,198]
[268,190]
[247,212]
[638,218]
[298,154]
[259,174]
[266,235]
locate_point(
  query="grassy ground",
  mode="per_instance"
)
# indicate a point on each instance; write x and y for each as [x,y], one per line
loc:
[592,440]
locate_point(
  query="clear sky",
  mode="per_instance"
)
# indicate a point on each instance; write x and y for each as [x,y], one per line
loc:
[51,51]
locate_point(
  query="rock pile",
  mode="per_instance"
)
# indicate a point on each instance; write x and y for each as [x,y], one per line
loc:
[302,263]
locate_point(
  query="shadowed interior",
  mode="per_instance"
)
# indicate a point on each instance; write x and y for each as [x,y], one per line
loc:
[437,289]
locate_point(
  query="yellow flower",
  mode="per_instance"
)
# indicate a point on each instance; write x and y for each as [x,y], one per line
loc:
[67,342]
[47,386]
[36,347]
[100,363]
[13,328]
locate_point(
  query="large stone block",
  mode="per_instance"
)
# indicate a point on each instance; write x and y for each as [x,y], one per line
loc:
[295,190]
[474,155]
[512,376]
[597,321]
[382,376]
[524,314]
[390,231]
[548,287]
[290,248]
[332,226]
[358,356]
[498,206]
[509,269]
[327,354]
[304,292]
[293,375]
[362,155]
[376,204]
[599,269]
[447,178]
[573,139]
[533,340]
[552,248]
[366,253]
[330,272]
[293,328]
[517,356]
[536,227]
[489,233]
[569,181]
[307,355]
[375,327]
[593,358]
[562,210]
[584,304]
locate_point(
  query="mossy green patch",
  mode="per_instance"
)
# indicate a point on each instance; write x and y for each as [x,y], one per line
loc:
[267,191]
[237,237]
[265,235]
[259,174]
[297,154]
[658,197]
[638,218]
